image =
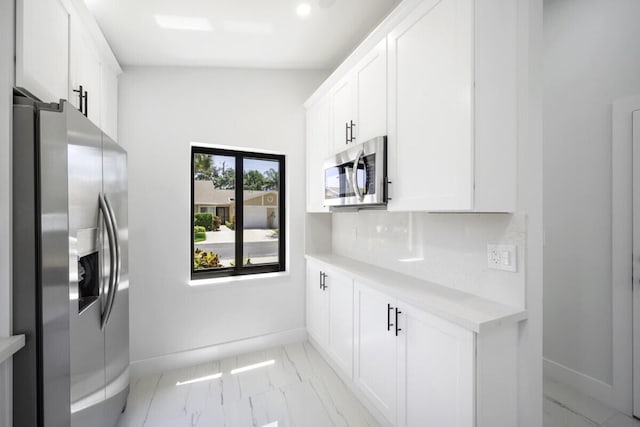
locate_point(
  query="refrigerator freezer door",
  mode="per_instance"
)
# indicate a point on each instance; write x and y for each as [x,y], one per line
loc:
[53,292]
[55,272]
[86,336]
[117,328]
[25,250]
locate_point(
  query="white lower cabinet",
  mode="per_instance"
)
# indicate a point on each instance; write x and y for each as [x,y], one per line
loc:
[435,372]
[340,346]
[416,369]
[410,367]
[317,305]
[330,313]
[376,349]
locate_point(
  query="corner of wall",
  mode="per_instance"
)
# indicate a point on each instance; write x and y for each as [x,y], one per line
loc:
[530,47]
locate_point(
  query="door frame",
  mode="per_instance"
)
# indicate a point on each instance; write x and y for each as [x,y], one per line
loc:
[635,117]
[620,394]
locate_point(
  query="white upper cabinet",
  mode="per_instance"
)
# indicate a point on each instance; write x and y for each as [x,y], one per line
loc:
[109,104]
[84,73]
[59,48]
[359,101]
[431,133]
[442,85]
[371,94]
[342,114]
[317,151]
[42,48]
[452,134]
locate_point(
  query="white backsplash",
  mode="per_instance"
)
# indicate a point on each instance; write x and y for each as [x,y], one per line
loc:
[448,249]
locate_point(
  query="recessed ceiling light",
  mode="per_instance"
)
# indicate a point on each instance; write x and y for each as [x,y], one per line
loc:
[303,9]
[189,23]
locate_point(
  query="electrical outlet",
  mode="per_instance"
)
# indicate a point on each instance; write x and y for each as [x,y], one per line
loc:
[502,257]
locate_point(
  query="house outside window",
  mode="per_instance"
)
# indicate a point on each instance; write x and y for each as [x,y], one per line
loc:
[237,200]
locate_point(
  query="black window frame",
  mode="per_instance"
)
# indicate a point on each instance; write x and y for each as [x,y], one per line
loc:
[239,269]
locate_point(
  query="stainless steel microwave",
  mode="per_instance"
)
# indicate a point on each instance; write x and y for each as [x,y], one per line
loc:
[357,177]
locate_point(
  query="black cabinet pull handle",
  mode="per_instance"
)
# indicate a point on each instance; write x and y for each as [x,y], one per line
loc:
[397,329]
[81,94]
[323,280]
[346,133]
[389,324]
[353,138]
[86,103]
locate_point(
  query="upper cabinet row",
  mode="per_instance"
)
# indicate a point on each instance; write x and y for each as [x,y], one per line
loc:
[57,57]
[442,86]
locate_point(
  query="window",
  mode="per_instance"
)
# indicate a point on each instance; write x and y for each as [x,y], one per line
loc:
[237,212]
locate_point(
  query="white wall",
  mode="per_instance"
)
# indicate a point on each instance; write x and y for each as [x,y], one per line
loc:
[530,200]
[6,85]
[591,58]
[161,110]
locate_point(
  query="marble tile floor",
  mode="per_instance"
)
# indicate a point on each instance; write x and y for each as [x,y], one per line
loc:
[563,406]
[290,386]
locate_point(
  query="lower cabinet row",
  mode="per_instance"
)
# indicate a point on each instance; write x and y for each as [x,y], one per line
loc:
[416,369]
[413,368]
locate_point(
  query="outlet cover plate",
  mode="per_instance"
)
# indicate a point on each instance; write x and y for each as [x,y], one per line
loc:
[502,257]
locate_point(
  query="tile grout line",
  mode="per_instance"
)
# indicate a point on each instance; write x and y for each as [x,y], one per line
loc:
[153,395]
[563,406]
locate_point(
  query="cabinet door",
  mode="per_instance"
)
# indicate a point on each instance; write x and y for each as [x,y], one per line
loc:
[42,48]
[371,96]
[375,368]
[84,69]
[341,113]
[435,372]
[317,305]
[340,289]
[431,108]
[318,141]
[109,104]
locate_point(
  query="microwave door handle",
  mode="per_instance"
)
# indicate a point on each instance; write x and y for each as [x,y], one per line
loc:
[354,181]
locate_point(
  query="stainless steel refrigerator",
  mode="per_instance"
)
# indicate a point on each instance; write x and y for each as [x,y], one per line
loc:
[70,268]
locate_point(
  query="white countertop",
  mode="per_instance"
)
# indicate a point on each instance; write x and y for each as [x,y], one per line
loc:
[469,311]
[8,346]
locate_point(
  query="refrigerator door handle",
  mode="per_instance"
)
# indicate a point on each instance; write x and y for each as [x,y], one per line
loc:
[106,214]
[116,275]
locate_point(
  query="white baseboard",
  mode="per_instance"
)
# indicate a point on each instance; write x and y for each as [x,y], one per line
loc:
[183,359]
[583,383]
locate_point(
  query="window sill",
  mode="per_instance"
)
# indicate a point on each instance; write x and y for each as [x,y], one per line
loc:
[249,278]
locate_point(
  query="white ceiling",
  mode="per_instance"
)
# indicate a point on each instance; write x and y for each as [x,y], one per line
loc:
[244,33]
